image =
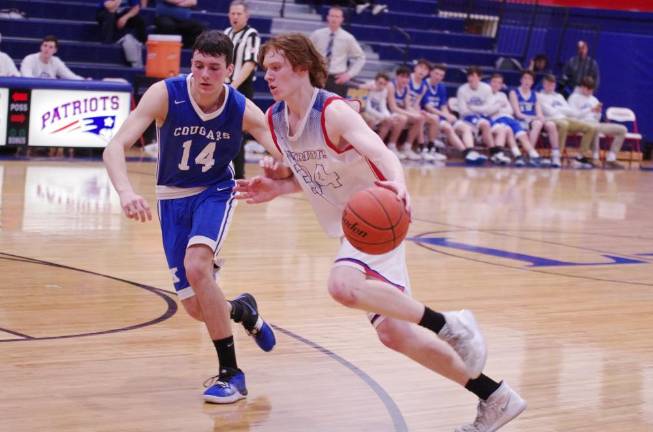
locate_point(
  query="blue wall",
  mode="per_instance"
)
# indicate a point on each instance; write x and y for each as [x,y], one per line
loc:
[624,51]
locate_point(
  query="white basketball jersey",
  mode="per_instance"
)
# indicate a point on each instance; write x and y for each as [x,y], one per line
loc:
[328,176]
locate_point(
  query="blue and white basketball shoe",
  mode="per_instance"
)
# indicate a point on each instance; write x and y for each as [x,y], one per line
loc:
[261,331]
[225,390]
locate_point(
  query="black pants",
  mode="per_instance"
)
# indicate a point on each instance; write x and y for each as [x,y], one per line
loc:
[110,33]
[247,89]
[188,29]
[339,89]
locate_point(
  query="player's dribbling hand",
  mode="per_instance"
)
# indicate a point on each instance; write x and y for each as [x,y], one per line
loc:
[256,190]
[274,169]
[399,189]
[135,207]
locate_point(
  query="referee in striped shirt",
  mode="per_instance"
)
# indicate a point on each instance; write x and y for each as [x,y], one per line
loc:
[246,42]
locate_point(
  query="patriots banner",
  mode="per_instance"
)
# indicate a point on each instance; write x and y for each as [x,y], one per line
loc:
[76,118]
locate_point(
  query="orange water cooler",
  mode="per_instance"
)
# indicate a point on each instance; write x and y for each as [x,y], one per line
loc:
[163,56]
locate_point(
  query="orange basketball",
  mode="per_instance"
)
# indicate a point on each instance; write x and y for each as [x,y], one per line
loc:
[375,221]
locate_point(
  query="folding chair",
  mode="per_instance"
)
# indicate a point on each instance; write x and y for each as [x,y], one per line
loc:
[626,115]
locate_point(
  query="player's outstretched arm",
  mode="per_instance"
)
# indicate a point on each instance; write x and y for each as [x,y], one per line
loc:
[344,125]
[153,106]
[261,189]
[255,123]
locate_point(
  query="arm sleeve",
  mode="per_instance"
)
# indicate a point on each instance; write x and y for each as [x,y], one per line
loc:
[356,56]
[26,67]
[252,47]
[7,66]
[597,73]
[64,72]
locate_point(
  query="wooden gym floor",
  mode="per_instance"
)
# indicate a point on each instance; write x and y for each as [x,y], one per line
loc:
[557,266]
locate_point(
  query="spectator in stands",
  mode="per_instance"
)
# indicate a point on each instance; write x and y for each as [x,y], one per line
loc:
[376,113]
[120,22]
[7,66]
[474,100]
[45,64]
[539,65]
[589,107]
[528,110]
[339,48]
[398,102]
[566,118]
[174,17]
[580,66]
[246,42]
[502,116]
[120,17]
[416,90]
[434,103]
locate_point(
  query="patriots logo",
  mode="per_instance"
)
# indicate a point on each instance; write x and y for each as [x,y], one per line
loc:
[101,126]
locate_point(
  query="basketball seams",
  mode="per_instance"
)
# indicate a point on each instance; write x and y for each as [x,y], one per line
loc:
[387,215]
[364,220]
[381,239]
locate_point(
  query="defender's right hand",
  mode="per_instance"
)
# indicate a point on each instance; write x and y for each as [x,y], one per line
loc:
[257,189]
[135,206]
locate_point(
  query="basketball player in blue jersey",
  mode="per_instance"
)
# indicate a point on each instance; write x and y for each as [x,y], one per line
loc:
[199,123]
[416,90]
[332,154]
[434,105]
[528,110]
[399,103]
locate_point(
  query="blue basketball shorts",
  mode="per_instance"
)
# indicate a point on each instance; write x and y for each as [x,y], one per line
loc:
[475,119]
[512,123]
[199,219]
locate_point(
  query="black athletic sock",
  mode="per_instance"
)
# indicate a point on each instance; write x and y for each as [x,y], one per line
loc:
[482,386]
[240,312]
[466,152]
[226,355]
[432,320]
[495,150]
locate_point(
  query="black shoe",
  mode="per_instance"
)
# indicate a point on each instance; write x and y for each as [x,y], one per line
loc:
[255,325]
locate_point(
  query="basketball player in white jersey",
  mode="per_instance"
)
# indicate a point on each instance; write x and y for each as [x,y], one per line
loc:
[333,154]
[376,112]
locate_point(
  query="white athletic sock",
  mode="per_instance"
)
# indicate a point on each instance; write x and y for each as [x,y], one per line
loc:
[555,153]
[515,151]
[611,156]
[533,154]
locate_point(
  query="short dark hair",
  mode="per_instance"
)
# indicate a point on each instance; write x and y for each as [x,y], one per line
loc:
[336,7]
[215,43]
[474,70]
[496,75]
[242,3]
[402,70]
[440,66]
[528,72]
[424,62]
[550,78]
[51,38]
[382,75]
[588,82]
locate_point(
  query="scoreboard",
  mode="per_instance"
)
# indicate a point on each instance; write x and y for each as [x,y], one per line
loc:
[61,113]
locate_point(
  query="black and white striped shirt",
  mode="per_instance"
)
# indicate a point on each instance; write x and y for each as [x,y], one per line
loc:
[246,45]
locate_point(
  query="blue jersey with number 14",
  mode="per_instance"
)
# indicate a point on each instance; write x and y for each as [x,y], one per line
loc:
[195,148]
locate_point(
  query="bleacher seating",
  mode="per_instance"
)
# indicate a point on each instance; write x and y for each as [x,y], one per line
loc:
[73,22]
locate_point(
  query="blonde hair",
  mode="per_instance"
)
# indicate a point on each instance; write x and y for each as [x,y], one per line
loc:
[300,53]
